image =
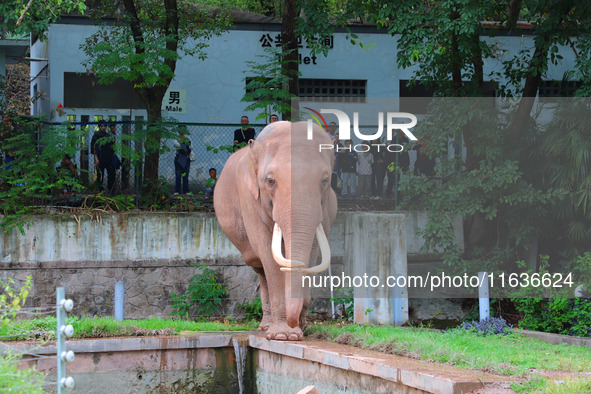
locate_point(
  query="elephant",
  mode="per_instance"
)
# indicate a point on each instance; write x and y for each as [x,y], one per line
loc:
[274,202]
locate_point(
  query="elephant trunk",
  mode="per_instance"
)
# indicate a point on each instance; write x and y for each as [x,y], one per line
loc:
[298,247]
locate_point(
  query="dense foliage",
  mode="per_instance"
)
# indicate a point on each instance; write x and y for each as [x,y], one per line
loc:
[13,378]
[202,297]
[141,42]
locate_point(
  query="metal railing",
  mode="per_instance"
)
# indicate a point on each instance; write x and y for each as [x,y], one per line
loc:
[206,139]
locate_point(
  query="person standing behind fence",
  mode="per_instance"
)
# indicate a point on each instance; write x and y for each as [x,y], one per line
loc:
[347,163]
[101,146]
[364,163]
[243,134]
[210,183]
[182,163]
[378,169]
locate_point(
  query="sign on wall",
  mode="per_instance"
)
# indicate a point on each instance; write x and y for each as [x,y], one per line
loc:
[175,101]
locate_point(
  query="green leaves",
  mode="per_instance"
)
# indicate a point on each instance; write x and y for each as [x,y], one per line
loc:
[19,18]
[31,177]
[203,296]
[266,85]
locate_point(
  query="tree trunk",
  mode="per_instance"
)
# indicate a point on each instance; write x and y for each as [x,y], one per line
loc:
[152,144]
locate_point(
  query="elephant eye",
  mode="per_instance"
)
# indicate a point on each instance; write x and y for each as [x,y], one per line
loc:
[271,181]
[325,182]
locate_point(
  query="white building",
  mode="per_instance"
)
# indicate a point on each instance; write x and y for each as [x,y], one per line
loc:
[210,91]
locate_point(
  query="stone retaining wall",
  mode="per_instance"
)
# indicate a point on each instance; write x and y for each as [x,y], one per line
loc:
[152,253]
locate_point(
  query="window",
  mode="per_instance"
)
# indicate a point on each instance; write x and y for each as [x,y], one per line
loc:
[345,90]
[549,89]
[84,91]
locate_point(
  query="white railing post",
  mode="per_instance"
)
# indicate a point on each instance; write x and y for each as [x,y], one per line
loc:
[63,331]
[483,296]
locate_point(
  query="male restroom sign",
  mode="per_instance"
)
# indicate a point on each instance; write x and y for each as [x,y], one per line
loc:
[175,101]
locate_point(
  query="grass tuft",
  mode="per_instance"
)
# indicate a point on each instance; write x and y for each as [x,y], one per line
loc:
[511,354]
[101,327]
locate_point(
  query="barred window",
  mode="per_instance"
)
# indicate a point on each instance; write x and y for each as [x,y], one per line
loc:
[346,90]
[549,89]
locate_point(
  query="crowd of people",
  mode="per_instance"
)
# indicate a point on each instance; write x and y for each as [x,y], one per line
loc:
[362,171]
[359,171]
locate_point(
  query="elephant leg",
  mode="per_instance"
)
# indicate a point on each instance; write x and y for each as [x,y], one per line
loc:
[314,260]
[267,318]
[279,330]
[302,324]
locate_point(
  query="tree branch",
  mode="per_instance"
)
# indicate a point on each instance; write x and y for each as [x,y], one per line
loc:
[20,18]
[513,15]
[135,26]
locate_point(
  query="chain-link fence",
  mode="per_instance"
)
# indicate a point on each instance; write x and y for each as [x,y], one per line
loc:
[205,142]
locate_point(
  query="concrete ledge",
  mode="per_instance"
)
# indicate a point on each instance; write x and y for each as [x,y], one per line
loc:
[556,339]
[129,344]
[416,374]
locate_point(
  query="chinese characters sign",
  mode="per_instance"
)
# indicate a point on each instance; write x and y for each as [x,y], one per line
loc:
[269,40]
[175,101]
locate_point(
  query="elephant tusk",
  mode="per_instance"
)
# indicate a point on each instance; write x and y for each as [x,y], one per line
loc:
[276,250]
[324,251]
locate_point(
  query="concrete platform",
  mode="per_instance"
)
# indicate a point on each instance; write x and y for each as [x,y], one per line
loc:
[206,362]
[422,376]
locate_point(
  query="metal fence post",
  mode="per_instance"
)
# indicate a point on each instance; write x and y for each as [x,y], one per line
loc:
[63,331]
[119,300]
[483,296]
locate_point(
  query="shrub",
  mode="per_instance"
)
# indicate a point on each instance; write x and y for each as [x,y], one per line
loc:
[557,315]
[204,294]
[344,298]
[490,326]
[13,378]
[252,310]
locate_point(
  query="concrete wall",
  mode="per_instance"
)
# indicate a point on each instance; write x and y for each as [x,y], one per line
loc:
[152,253]
[206,363]
[216,95]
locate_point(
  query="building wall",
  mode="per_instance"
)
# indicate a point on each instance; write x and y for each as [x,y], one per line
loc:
[215,86]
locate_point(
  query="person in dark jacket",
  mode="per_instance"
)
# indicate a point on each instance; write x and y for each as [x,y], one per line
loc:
[397,163]
[182,163]
[378,169]
[243,134]
[424,164]
[101,146]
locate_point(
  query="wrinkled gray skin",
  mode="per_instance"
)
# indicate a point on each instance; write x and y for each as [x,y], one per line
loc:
[280,178]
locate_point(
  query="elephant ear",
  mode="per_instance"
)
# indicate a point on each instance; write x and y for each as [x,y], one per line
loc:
[253,184]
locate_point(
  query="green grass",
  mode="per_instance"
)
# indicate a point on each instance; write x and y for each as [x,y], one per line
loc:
[512,354]
[18,380]
[100,327]
[540,385]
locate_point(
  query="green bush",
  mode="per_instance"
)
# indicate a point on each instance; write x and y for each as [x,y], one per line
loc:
[557,315]
[252,310]
[203,296]
[344,298]
[13,378]
[16,379]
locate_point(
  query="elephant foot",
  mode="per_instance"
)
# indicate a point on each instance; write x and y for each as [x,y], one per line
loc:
[283,332]
[265,323]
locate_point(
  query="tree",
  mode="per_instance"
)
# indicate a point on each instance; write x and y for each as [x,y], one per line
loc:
[499,187]
[141,41]
[18,18]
